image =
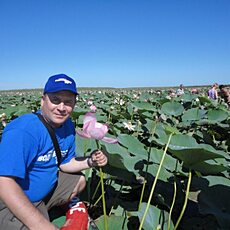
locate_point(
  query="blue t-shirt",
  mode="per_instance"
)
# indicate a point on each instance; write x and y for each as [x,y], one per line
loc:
[27,153]
[212,94]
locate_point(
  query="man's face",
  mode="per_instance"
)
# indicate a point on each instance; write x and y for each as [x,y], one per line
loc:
[57,107]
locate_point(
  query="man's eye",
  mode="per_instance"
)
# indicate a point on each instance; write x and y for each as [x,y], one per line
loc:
[55,101]
[69,103]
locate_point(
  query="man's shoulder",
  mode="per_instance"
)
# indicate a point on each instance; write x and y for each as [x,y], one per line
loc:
[68,125]
[23,119]
[24,122]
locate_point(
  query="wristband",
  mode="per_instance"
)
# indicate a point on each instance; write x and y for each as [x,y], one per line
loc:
[90,162]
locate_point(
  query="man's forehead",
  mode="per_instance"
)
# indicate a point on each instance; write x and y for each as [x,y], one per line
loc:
[63,93]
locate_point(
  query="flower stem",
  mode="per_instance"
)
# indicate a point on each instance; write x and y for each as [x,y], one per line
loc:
[103,193]
[186,199]
[98,200]
[146,170]
[95,192]
[154,183]
[142,194]
[103,199]
[173,202]
[153,130]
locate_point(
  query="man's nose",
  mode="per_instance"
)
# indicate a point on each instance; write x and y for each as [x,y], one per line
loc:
[61,106]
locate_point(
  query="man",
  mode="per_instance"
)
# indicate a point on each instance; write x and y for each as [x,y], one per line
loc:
[212,92]
[225,94]
[180,91]
[29,180]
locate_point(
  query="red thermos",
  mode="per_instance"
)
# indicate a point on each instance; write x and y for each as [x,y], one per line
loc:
[76,218]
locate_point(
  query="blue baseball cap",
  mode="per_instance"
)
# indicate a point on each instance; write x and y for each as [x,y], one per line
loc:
[60,82]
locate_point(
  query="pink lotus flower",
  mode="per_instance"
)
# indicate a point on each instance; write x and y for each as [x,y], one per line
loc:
[93,108]
[89,102]
[95,130]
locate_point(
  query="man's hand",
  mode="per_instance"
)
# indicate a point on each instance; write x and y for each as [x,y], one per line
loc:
[98,158]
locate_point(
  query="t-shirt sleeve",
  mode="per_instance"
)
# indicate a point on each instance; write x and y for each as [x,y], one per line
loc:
[70,139]
[17,151]
[71,153]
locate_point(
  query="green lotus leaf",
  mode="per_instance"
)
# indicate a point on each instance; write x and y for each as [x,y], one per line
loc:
[203,99]
[186,148]
[114,114]
[133,145]
[122,174]
[79,111]
[114,222]
[150,125]
[209,167]
[217,115]
[161,101]
[193,114]
[147,114]
[143,106]
[164,174]
[118,210]
[170,129]
[22,110]
[129,109]
[145,96]
[187,97]
[59,221]
[169,163]
[184,124]
[204,122]
[162,137]
[215,200]
[155,217]
[215,180]
[172,108]
[84,146]
[15,111]
[180,141]
[119,157]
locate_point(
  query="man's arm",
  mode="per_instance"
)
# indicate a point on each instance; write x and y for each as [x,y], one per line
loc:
[98,158]
[15,199]
[216,94]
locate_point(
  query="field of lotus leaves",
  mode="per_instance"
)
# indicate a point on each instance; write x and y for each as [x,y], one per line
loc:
[170,168]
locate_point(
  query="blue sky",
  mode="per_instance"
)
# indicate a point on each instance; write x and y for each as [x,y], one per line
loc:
[114,43]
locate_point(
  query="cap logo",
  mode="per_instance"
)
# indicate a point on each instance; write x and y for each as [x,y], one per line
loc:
[64,80]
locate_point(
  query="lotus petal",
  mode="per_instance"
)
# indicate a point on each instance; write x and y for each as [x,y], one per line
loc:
[89,117]
[97,134]
[83,134]
[109,140]
[95,130]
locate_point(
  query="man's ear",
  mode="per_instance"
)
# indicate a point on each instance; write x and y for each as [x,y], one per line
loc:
[42,99]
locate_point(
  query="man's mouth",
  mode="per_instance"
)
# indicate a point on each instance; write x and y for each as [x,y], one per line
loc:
[60,115]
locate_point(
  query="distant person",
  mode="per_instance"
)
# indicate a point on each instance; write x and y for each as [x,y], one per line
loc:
[194,91]
[212,92]
[180,91]
[171,93]
[33,177]
[225,94]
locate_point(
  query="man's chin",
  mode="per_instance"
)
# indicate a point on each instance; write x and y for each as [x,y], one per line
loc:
[59,121]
